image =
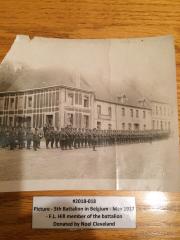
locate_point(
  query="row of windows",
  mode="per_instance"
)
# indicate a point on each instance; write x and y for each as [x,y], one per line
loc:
[99,112]
[38,100]
[78,99]
[77,120]
[124,126]
[133,112]
[160,110]
[123,112]
[163,125]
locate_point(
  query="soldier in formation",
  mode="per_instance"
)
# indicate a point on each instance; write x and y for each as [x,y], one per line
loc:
[73,138]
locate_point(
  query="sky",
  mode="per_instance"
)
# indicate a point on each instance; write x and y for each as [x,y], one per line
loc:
[144,65]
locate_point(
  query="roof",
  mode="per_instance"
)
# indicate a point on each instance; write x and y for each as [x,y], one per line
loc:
[35,79]
[27,79]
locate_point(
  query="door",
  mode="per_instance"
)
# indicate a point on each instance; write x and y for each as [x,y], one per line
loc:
[49,120]
[136,126]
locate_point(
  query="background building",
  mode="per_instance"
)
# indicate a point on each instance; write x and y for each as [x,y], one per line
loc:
[75,106]
[161,115]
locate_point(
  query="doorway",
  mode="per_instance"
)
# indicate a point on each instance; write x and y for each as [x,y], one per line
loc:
[49,120]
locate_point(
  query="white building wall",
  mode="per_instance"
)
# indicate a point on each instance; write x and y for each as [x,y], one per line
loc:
[122,117]
[107,117]
[161,116]
[132,118]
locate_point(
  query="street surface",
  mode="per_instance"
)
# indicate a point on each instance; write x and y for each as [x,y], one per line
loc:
[145,160]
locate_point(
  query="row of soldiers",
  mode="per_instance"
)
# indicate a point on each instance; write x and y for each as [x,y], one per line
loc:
[73,138]
[20,137]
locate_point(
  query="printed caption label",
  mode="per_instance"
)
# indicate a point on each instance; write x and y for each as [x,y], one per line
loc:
[84,212]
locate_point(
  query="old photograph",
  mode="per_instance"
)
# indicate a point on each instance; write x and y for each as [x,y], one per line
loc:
[89,114]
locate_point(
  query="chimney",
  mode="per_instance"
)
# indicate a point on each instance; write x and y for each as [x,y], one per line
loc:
[122,99]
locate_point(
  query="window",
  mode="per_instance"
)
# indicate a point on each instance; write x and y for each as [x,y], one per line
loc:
[1,103]
[129,126]
[70,98]
[137,113]
[157,124]
[76,98]
[123,126]
[169,126]
[161,125]
[78,117]
[80,99]
[20,102]
[29,102]
[156,110]
[98,110]
[153,124]
[160,110]
[86,121]
[131,112]
[11,121]
[57,98]
[109,111]
[136,126]
[6,103]
[109,126]
[70,119]
[164,111]
[98,125]
[144,114]
[12,103]
[53,100]
[86,101]
[123,112]
[144,126]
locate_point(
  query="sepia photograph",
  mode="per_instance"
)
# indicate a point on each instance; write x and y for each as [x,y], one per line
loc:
[89,114]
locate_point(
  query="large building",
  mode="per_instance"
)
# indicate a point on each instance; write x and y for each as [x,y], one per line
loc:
[79,107]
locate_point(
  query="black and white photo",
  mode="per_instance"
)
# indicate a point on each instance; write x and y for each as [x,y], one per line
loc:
[89,114]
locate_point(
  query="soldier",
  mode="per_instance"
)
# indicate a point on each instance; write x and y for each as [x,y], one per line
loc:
[82,137]
[63,139]
[94,139]
[68,139]
[47,137]
[89,134]
[40,132]
[29,137]
[20,138]
[79,138]
[57,137]
[52,137]
[86,137]
[75,133]
[12,138]
[35,139]
[71,138]
[45,128]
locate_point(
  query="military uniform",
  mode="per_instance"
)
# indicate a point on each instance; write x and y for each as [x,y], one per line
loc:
[20,138]
[52,137]
[94,139]
[12,139]
[47,138]
[29,138]
[57,138]
[35,139]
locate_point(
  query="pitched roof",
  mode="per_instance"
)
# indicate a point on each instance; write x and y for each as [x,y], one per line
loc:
[35,79]
[25,79]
